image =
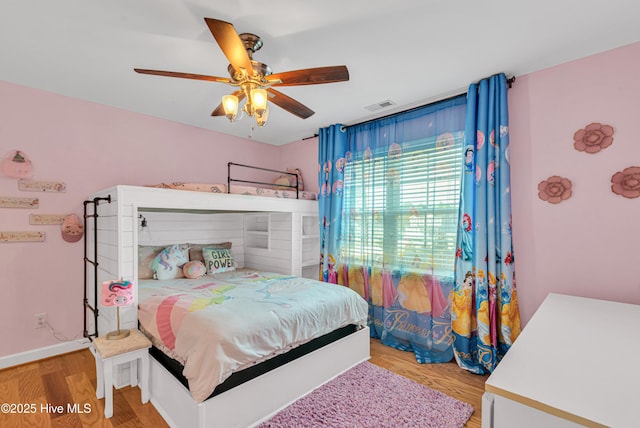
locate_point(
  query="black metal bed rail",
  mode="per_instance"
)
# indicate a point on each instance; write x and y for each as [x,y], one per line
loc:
[94,263]
[229,179]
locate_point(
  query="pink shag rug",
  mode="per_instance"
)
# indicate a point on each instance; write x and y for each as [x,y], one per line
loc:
[370,396]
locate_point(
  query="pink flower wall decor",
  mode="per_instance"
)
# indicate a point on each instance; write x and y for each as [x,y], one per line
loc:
[593,138]
[554,189]
[626,182]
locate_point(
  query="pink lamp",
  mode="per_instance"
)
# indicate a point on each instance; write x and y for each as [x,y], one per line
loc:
[117,293]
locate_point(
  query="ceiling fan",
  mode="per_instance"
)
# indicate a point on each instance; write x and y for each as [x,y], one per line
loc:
[255,80]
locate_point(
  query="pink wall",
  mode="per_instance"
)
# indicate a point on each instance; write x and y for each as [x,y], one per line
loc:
[89,147]
[588,244]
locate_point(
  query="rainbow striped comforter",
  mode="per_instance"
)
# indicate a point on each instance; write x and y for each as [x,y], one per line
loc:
[220,324]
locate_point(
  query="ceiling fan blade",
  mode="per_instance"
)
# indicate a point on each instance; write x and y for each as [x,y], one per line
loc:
[289,104]
[219,111]
[183,75]
[310,76]
[231,44]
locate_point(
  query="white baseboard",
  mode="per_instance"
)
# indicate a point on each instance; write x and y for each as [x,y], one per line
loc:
[41,353]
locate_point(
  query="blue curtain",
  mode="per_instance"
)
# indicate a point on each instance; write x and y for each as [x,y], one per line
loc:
[485,315]
[332,148]
[371,205]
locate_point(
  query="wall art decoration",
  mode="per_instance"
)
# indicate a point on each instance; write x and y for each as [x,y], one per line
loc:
[626,182]
[16,164]
[72,228]
[47,219]
[593,138]
[41,186]
[13,202]
[22,236]
[554,189]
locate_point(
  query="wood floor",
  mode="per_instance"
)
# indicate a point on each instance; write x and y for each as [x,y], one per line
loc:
[70,379]
[446,377]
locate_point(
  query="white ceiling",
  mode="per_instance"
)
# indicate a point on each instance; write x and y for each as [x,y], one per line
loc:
[408,51]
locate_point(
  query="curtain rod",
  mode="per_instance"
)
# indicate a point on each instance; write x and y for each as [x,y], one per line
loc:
[510,81]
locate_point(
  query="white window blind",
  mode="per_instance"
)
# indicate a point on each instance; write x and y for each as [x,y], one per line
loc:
[401,211]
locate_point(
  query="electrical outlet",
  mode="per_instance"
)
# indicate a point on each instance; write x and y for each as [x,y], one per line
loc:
[39,320]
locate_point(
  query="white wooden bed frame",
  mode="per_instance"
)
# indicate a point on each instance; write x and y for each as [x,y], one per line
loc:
[256,400]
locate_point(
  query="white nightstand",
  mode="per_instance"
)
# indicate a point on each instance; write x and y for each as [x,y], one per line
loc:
[110,353]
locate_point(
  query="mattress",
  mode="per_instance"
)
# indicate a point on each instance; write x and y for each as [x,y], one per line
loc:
[221,324]
[238,190]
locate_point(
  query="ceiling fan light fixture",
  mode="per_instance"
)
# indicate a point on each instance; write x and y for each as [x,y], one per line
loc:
[230,105]
[251,77]
[259,100]
[261,119]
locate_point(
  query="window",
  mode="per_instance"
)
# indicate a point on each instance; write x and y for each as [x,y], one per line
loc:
[401,206]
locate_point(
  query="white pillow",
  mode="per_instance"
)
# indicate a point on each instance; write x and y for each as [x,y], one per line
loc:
[168,264]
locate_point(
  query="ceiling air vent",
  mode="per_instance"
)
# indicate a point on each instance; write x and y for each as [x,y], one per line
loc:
[380,105]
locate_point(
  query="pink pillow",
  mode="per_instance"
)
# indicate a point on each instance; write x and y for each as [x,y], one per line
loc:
[292,179]
[289,180]
[194,269]
[146,255]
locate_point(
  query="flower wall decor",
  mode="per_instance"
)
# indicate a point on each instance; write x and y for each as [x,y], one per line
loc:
[554,189]
[626,182]
[593,138]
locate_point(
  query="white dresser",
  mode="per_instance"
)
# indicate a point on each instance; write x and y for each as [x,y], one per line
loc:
[576,363]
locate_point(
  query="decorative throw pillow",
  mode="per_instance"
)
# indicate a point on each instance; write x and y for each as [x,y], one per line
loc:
[194,269]
[146,256]
[282,183]
[195,250]
[168,264]
[218,260]
[292,179]
[289,180]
